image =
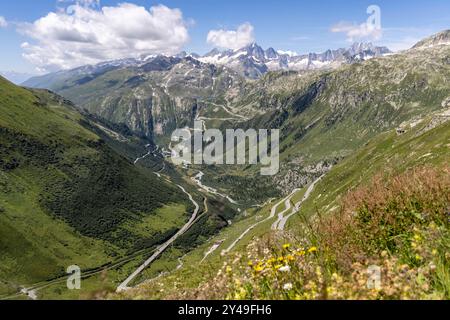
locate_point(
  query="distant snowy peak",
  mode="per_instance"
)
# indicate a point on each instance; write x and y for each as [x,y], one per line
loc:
[254,61]
[249,61]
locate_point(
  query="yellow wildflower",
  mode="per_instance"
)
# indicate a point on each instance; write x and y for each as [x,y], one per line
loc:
[300,253]
[330,290]
[312,249]
[258,268]
[240,294]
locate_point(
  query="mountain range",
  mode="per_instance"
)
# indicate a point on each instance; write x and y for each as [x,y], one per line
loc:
[186,80]
[253,62]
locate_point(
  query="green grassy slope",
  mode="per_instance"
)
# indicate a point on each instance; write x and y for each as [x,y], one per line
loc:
[65,196]
[387,153]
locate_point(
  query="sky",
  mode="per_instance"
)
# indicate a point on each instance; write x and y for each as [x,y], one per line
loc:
[47,35]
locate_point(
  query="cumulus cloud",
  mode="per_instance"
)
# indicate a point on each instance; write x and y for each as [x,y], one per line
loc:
[357,32]
[3,22]
[232,39]
[87,34]
[370,30]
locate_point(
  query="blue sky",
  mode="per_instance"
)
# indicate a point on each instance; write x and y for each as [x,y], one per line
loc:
[301,26]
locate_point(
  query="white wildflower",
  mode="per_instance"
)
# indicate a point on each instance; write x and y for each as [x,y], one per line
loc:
[285,269]
[288,286]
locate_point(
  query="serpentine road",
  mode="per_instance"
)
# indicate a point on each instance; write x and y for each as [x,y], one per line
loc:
[280,223]
[287,205]
[271,216]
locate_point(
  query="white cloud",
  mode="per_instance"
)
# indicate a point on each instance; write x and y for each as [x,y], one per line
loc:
[3,22]
[87,35]
[364,31]
[232,39]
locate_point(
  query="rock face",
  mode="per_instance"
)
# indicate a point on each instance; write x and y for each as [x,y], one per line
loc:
[299,177]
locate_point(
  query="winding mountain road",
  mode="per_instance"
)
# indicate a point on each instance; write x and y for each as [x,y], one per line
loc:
[288,205]
[271,216]
[235,115]
[198,180]
[124,285]
[281,222]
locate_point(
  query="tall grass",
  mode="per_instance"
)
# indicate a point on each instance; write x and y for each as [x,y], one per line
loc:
[385,215]
[400,224]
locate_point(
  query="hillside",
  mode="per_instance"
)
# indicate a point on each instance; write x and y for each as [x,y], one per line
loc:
[66,197]
[152,98]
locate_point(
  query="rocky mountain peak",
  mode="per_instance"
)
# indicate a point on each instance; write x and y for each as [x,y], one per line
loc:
[271,54]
